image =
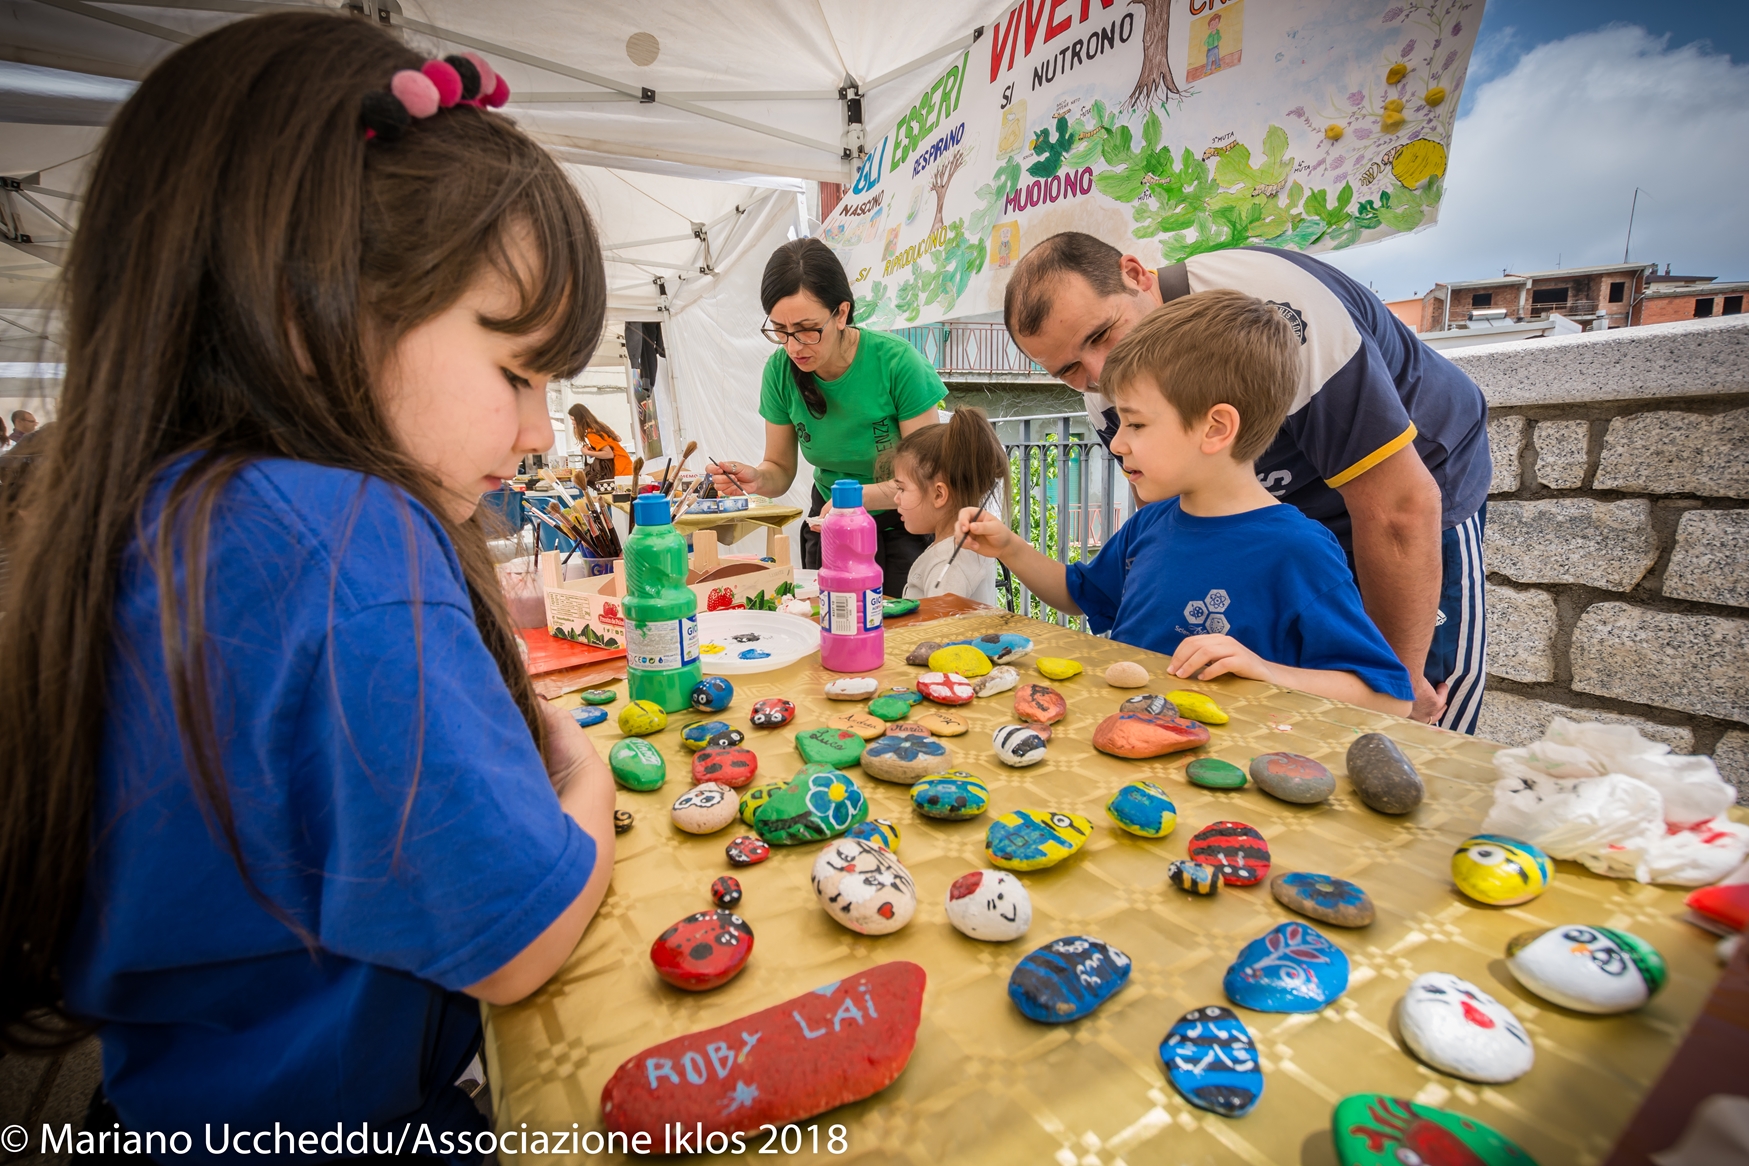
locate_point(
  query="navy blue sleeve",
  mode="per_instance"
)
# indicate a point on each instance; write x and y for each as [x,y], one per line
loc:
[1096,585]
[1355,419]
[1335,634]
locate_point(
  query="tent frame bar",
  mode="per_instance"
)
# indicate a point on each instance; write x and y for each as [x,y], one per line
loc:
[564,98]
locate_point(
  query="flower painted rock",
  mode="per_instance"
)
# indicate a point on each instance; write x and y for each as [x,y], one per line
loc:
[703,951]
[1039,703]
[1213,773]
[880,831]
[860,723]
[636,764]
[1292,778]
[1500,871]
[999,679]
[941,723]
[732,766]
[834,747]
[1141,807]
[1126,674]
[599,696]
[1194,706]
[1199,878]
[1149,703]
[1290,968]
[1382,776]
[1212,1060]
[946,687]
[953,796]
[1067,979]
[745,850]
[587,714]
[1236,850]
[1587,969]
[918,657]
[904,758]
[889,707]
[1000,647]
[726,891]
[1374,1130]
[1057,668]
[991,905]
[852,688]
[811,807]
[1035,839]
[1460,1029]
[696,737]
[863,887]
[772,713]
[705,809]
[1019,745]
[752,799]
[622,821]
[712,694]
[1323,897]
[1138,735]
[960,658]
[641,718]
[825,1048]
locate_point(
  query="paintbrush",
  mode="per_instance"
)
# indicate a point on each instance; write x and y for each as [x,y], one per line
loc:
[686,497]
[637,475]
[668,485]
[963,537]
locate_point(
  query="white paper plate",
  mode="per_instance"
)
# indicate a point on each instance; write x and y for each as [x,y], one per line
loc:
[787,637]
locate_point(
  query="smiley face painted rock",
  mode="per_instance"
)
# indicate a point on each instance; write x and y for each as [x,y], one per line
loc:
[732,766]
[1291,968]
[1143,808]
[811,807]
[880,831]
[1587,969]
[991,905]
[1138,735]
[835,747]
[862,886]
[641,718]
[773,712]
[953,796]
[1039,703]
[1460,1029]
[703,951]
[1199,878]
[946,688]
[1500,871]
[712,694]
[705,809]
[745,850]
[904,758]
[960,658]
[1067,979]
[1212,1061]
[587,714]
[1035,839]
[1019,745]
[1148,704]
[637,764]
[696,737]
[1374,1130]
[1236,850]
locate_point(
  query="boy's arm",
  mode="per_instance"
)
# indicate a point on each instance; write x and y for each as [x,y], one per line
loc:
[1213,656]
[1044,577]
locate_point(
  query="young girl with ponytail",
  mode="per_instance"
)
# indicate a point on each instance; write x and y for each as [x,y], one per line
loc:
[937,471]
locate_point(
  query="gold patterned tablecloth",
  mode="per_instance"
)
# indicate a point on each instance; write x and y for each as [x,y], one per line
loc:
[986,1085]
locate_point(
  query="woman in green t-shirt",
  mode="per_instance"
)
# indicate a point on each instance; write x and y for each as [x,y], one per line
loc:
[838,394]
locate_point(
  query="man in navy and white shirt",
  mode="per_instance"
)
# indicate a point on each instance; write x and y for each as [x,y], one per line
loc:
[1386,443]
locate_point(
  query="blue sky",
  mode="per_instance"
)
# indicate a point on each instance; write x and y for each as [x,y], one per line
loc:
[1569,105]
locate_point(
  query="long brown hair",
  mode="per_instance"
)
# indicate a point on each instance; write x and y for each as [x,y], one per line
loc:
[244,262]
[965,453]
[588,422]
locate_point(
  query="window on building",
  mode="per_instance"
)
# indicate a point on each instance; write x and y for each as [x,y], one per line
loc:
[1618,291]
[1549,295]
[1733,306]
[1702,307]
[1482,300]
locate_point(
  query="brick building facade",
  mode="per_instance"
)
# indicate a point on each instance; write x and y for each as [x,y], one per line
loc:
[1578,293]
[1698,298]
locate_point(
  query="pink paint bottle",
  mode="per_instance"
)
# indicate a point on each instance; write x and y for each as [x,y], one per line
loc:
[851,603]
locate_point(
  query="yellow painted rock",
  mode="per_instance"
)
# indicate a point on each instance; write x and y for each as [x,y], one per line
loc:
[1057,668]
[641,718]
[1500,871]
[942,723]
[864,725]
[756,797]
[961,658]
[1198,707]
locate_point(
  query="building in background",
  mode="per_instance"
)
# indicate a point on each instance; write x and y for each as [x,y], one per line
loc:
[1596,298]
[1691,297]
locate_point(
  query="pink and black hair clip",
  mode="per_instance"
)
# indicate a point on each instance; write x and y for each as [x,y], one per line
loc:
[416,94]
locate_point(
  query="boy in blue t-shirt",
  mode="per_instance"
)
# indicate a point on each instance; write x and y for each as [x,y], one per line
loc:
[1218,573]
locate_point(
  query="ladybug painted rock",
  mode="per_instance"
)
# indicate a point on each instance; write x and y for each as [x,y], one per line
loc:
[726,891]
[726,738]
[773,713]
[703,951]
[712,694]
[732,766]
[747,850]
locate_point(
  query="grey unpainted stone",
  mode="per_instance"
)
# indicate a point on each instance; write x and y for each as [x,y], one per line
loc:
[1689,358]
[1731,755]
[1677,453]
[1560,453]
[1505,439]
[1711,561]
[1518,720]
[1696,664]
[1521,634]
[1609,545]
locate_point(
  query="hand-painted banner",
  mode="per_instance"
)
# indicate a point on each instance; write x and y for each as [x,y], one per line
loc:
[1166,128]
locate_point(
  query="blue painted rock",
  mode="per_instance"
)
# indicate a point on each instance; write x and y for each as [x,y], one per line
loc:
[1019,745]
[588,714]
[1292,778]
[1291,968]
[946,688]
[880,831]
[637,764]
[703,951]
[1001,647]
[1500,871]
[864,887]
[712,694]
[696,737]
[1141,807]
[599,696]
[1382,776]
[1035,839]
[991,905]
[835,747]
[952,796]
[1138,735]
[772,713]
[1374,1130]
[1067,978]
[733,766]
[1212,1060]
[1325,898]
[745,850]
[1199,878]
[1040,703]
[1236,850]
[904,758]
[726,891]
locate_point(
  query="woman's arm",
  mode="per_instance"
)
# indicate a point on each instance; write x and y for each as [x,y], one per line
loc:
[884,495]
[771,477]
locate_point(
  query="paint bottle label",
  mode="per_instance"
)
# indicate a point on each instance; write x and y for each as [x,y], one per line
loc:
[838,613]
[874,606]
[663,646]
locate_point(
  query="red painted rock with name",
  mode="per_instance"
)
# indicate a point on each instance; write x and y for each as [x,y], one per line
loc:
[703,951]
[1040,703]
[946,688]
[733,766]
[1138,735]
[826,1048]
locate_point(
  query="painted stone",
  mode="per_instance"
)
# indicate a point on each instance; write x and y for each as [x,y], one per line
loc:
[1019,745]
[946,687]
[834,747]
[890,708]
[1194,706]
[999,679]
[1141,807]
[953,796]
[918,657]
[894,608]
[908,727]
[755,797]
[1382,776]
[599,696]
[1067,979]
[852,688]
[961,658]
[725,739]
[1290,968]
[941,723]
[704,950]
[864,887]
[622,821]
[1149,703]
[1126,674]
[732,766]
[880,831]
[636,764]
[1057,668]
[910,695]
[705,809]
[1212,1060]
[1587,969]
[587,714]
[1000,647]
[1199,878]
[1213,773]
[641,718]
[837,1044]
[696,737]
[1043,730]
[1371,1129]
[991,905]
[1292,778]
[860,723]
[904,758]
[1236,850]
[1139,736]
[811,807]
[726,891]
[773,713]
[1500,871]
[1039,703]
[712,694]
[745,850]
[1323,897]
[1035,839]
[1460,1029]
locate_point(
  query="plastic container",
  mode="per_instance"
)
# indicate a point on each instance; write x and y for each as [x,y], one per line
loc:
[661,611]
[851,636]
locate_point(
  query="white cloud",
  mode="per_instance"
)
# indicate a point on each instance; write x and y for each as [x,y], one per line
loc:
[1544,167]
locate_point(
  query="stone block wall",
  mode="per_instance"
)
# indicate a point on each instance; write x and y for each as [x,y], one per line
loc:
[1617,537]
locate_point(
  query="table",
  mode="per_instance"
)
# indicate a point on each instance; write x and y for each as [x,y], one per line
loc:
[988,1086]
[734,525]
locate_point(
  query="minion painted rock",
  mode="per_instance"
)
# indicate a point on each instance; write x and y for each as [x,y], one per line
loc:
[1143,808]
[1035,839]
[1499,871]
[952,796]
[696,737]
[880,831]
[1587,969]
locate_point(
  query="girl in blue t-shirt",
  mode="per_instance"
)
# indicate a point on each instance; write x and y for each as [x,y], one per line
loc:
[279,803]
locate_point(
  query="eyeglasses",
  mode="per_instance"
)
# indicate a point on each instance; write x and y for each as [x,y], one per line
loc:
[800,335]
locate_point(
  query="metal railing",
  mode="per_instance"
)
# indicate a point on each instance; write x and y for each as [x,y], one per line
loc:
[959,348]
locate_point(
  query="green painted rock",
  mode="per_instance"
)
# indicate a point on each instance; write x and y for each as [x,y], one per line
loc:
[1374,1130]
[834,747]
[811,807]
[1213,773]
[599,696]
[637,764]
[890,708]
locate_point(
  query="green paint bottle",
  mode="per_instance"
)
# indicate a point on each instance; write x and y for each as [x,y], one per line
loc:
[661,612]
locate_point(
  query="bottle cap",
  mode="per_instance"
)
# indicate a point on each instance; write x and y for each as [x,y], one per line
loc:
[846,494]
[651,510]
